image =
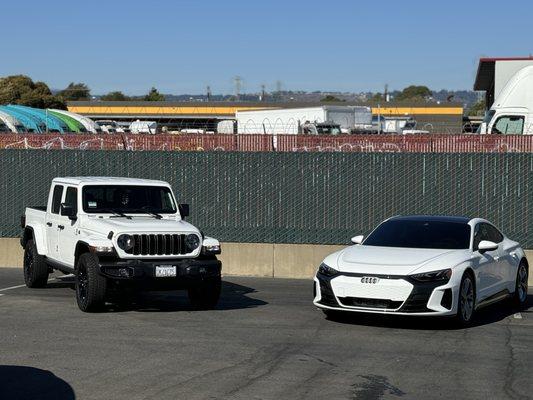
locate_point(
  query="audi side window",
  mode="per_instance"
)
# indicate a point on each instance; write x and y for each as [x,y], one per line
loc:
[480,233]
[56,198]
[494,234]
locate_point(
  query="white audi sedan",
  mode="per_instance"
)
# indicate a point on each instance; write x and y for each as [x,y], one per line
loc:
[424,265]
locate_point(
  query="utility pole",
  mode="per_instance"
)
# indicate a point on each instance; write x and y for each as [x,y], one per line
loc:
[386,96]
[238,84]
[208,93]
[263,93]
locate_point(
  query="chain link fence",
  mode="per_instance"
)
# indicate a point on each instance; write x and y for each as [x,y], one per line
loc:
[294,197]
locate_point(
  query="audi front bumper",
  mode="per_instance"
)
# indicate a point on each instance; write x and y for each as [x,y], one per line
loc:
[399,295]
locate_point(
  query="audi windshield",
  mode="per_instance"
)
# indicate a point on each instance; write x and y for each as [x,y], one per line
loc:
[127,199]
[421,234]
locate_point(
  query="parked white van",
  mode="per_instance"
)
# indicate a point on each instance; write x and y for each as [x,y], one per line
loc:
[149,127]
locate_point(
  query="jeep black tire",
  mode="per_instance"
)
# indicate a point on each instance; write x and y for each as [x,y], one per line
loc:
[90,285]
[204,295]
[35,267]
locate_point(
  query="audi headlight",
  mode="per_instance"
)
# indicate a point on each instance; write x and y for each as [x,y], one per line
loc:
[326,270]
[442,275]
[125,242]
[192,242]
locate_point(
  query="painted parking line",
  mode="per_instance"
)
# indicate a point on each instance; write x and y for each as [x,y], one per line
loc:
[20,286]
[11,288]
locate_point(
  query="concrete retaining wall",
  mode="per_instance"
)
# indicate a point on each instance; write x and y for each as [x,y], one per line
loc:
[244,259]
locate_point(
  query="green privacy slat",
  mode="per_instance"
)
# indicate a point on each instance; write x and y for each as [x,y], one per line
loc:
[294,197]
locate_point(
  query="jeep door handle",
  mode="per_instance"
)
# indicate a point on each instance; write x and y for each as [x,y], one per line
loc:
[61,227]
[49,223]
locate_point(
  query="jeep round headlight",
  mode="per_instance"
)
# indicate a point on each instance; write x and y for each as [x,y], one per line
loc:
[125,242]
[192,242]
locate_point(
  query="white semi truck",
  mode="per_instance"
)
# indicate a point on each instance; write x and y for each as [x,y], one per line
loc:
[309,120]
[512,111]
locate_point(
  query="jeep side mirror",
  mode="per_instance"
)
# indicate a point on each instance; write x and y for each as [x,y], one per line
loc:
[357,239]
[184,210]
[68,211]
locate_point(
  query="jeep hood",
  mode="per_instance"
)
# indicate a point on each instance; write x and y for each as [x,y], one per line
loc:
[395,260]
[137,225]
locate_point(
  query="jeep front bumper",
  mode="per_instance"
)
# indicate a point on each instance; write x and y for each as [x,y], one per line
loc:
[143,273]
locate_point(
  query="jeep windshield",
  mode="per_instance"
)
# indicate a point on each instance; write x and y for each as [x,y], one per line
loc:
[127,199]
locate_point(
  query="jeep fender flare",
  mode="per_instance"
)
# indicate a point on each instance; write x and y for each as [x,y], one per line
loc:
[37,234]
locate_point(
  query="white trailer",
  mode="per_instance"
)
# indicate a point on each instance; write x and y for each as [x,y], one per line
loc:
[291,120]
[149,127]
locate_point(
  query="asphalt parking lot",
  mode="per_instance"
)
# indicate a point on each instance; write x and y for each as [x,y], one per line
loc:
[264,341]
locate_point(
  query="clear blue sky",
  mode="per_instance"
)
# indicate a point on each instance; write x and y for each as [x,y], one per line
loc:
[182,46]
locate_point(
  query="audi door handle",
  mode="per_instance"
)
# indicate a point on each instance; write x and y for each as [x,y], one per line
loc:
[49,223]
[61,227]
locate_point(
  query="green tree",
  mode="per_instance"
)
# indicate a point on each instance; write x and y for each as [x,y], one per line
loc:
[331,99]
[75,91]
[115,96]
[154,95]
[20,89]
[414,92]
[478,109]
[376,98]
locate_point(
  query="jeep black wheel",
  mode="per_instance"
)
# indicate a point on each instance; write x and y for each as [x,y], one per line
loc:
[204,295]
[35,268]
[90,285]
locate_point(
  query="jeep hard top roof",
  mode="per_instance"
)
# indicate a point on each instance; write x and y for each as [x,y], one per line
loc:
[107,180]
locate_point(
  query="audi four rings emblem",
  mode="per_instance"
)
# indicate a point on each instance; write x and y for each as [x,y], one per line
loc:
[369,279]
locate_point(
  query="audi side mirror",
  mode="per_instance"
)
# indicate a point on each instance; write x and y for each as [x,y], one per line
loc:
[184,210]
[357,239]
[68,211]
[486,245]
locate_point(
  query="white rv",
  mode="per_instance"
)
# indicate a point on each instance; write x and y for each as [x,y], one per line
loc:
[512,111]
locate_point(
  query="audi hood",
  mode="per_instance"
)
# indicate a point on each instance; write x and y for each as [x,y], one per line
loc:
[394,260]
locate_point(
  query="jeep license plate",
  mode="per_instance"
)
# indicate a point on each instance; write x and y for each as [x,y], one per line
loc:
[165,271]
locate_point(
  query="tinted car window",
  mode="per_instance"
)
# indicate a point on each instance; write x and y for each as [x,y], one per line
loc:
[123,198]
[426,234]
[484,231]
[70,198]
[495,234]
[56,198]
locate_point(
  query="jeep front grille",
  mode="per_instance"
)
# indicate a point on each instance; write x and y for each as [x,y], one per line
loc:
[158,245]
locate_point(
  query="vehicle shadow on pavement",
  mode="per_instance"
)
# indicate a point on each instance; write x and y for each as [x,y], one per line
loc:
[233,297]
[485,316]
[25,383]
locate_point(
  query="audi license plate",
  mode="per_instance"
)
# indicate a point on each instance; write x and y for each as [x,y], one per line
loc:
[165,271]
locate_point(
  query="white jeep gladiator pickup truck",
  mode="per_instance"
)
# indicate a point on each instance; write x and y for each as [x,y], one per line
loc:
[118,236]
